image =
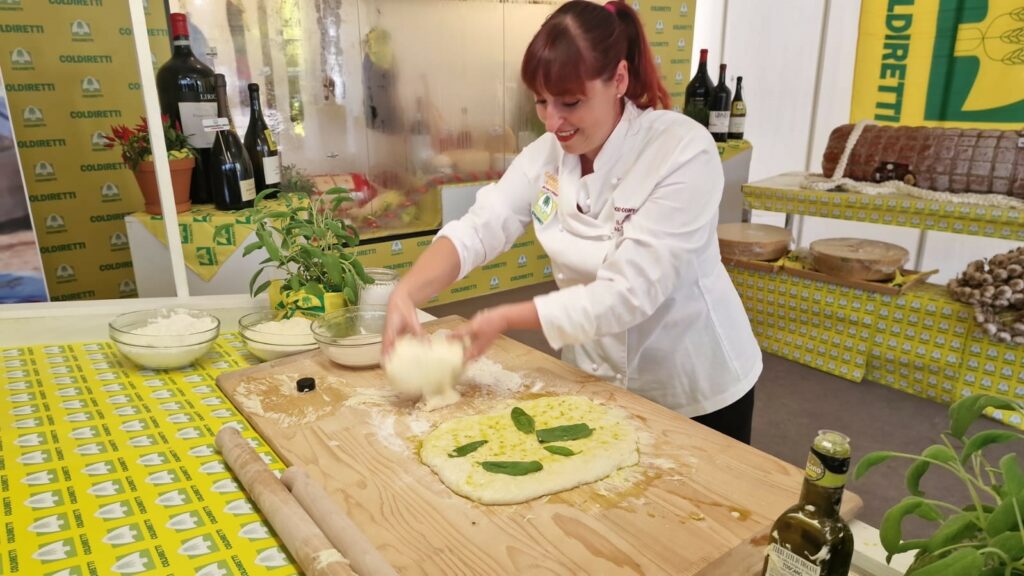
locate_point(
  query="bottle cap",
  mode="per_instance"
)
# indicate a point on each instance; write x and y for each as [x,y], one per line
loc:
[179,25]
[306,384]
[832,443]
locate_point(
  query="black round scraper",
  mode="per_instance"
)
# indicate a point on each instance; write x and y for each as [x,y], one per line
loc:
[306,384]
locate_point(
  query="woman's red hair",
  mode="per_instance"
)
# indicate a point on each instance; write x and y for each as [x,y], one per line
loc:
[584,41]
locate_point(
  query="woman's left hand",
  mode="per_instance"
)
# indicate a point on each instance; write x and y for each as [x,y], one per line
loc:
[482,330]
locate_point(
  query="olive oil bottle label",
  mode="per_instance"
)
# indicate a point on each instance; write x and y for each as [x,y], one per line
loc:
[826,471]
[782,562]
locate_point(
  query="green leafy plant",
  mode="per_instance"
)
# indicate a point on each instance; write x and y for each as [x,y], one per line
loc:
[306,241]
[135,146]
[983,538]
[293,179]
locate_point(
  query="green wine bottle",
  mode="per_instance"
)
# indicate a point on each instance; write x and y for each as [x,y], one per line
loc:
[811,538]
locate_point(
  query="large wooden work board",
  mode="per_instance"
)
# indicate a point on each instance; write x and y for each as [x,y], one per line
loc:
[703,503]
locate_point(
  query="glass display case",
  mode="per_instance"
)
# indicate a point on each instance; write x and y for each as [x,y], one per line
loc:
[390,99]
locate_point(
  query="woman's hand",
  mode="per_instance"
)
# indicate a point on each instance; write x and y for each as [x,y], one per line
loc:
[401,319]
[482,330]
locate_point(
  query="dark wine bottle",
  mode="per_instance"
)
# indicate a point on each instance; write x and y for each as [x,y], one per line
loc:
[698,91]
[231,176]
[185,88]
[260,146]
[718,109]
[738,114]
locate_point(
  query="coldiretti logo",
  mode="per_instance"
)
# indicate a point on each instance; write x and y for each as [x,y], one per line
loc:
[681,45]
[109,192]
[55,224]
[978,56]
[21,59]
[118,242]
[65,274]
[396,247]
[32,117]
[44,171]
[127,289]
[10,5]
[91,87]
[494,282]
[99,142]
[81,31]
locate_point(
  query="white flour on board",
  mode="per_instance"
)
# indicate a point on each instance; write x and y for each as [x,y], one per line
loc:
[487,373]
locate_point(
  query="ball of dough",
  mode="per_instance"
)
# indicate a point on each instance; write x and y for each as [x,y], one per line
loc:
[426,368]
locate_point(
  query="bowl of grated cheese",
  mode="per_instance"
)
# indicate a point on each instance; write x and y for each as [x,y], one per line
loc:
[164,338]
[352,336]
[270,336]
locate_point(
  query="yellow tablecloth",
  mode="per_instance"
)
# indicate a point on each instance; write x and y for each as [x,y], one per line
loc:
[109,469]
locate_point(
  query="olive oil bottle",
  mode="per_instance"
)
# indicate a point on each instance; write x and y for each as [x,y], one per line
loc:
[811,537]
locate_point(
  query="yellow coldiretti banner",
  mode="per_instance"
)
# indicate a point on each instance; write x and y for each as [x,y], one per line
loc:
[940,62]
[70,72]
[669,28]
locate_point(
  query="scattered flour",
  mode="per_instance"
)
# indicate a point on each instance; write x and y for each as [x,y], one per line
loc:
[384,427]
[487,373]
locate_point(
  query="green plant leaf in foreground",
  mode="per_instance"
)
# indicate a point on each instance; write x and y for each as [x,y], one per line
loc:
[964,562]
[891,530]
[564,433]
[1009,543]
[937,452]
[956,529]
[965,411]
[522,421]
[1004,517]
[986,438]
[1013,475]
[512,468]
[561,450]
[466,449]
[870,461]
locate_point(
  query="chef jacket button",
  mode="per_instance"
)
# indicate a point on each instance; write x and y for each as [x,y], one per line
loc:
[560,228]
[618,377]
[560,276]
[594,367]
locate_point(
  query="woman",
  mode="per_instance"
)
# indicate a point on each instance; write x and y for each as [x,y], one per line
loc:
[624,199]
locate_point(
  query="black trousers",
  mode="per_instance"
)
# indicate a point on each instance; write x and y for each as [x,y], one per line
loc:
[734,420]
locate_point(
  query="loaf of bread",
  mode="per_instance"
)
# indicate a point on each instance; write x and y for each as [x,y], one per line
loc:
[941,159]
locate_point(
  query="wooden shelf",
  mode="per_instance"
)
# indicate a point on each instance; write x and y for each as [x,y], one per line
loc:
[782,193]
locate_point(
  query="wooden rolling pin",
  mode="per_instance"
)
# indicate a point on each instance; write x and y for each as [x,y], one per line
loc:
[307,544]
[336,525]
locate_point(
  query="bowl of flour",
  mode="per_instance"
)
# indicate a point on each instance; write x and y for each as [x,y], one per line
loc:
[164,338]
[270,336]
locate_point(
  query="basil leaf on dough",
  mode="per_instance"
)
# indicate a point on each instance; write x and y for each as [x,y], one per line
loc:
[561,450]
[523,421]
[564,433]
[466,449]
[512,468]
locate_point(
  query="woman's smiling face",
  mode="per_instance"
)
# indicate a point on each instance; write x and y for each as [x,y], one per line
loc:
[582,123]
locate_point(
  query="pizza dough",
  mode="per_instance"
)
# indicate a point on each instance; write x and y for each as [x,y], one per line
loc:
[612,445]
[426,368]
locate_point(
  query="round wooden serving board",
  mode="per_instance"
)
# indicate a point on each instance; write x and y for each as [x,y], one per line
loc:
[753,241]
[858,259]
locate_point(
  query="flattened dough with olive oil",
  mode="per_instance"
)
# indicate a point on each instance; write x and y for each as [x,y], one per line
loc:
[611,445]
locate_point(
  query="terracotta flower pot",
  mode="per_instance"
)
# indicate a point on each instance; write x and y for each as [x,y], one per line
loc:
[181,181]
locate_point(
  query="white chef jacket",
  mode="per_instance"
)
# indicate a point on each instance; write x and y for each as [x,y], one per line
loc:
[643,300]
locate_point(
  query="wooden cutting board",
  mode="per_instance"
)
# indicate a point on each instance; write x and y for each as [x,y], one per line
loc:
[698,503]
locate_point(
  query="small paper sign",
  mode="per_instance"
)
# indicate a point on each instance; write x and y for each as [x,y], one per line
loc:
[216,124]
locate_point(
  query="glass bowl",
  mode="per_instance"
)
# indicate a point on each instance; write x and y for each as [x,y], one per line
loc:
[177,346]
[272,341]
[352,336]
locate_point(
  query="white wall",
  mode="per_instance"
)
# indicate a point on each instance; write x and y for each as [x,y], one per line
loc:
[796,58]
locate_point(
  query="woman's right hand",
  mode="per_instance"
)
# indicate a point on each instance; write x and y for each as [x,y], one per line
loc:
[401,319]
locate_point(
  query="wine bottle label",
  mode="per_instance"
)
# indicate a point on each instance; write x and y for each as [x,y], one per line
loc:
[216,124]
[718,122]
[270,140]
[737,124]
[826,471]
[272,170]
[782,562]
[192,116]
[248,188]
